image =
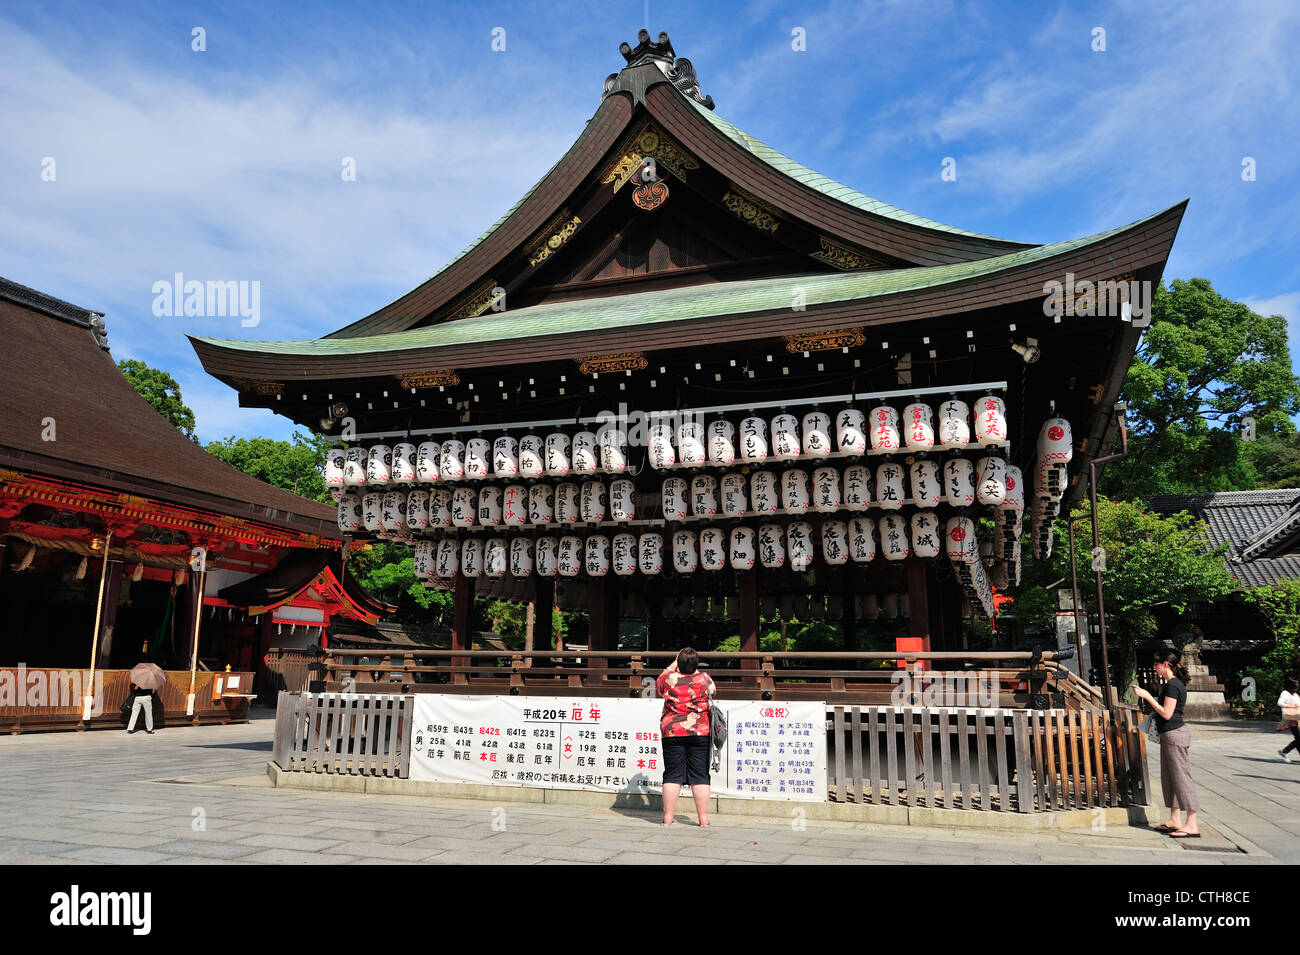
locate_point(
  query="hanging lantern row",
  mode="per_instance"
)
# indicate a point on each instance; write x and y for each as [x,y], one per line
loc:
[857,488]
[690,443]
[1054,452]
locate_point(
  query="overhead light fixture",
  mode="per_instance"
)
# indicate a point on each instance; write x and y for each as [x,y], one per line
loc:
[1029,351]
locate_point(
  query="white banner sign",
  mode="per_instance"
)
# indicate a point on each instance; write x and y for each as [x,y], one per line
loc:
[773,751]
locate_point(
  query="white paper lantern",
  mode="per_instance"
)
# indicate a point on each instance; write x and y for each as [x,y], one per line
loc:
[890,492]
[660,449]
[495,557]
[722,441]
[471,557]
[428,462]
[927,483]
[440,507]
[447,560]
[650,553]
[417,511]
[826,490]
[597,555]
[884,429]
[713,548]
[743,551]
[960,542]
[532,456]
[354,467]
[851,431]
[505,456]
[379,465]
[478,459]
[926,534]
[394,518]
[753,439]
[685,558]
[704,495]
[991,481]
[893,537]
[857,487]
[954,426]
[622,500]
[570,557]
[404,463]
[464,507]
[489,506]
[514,505]
[548,559]
[990,420]
[336,460]
[1055,450]
[557,454]
[452,463]
[566,503]
[1015,497]
[690,442]
[613,449]
[541,504]
[918,422]
[771,545]
[734,500]
[592,503]
[785,437]
[799,544]
[350,512]
[423,560]
[959,482]
[624,555]
[862,539]
[675,496]
[817,433]
[762,492]
[794,491]
[372,511]
[835,542]
[586,456]
[521,558]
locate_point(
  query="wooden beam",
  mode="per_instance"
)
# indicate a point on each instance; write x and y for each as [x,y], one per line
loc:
[749,622]
[918,609]
[108,619]
[462,617]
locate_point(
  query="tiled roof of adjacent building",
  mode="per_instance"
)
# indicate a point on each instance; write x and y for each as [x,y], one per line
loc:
[1261,529]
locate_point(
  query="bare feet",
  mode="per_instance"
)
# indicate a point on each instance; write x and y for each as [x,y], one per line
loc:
[670,822]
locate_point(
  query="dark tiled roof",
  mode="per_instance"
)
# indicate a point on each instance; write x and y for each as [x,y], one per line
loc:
[1261,529]
[46,304]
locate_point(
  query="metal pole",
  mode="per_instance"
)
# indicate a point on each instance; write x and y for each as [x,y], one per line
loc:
[1096,544]
[1080,633]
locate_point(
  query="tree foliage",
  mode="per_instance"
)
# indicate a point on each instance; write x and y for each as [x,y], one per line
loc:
[1205,364]
[296,465]
[161,391]
[1279,605]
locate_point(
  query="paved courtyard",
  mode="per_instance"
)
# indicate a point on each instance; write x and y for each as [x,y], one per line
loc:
[201,796]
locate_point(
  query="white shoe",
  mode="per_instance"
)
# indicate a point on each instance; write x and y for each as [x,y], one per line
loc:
[1285,757]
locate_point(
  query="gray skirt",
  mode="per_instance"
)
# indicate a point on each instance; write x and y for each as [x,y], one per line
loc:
[1176,770]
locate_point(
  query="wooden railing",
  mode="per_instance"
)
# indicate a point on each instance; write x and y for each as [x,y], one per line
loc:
[287,669]
[349,734]
[986,759]
[866,678]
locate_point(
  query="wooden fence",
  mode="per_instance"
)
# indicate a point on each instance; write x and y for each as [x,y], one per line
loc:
[360,734]
[286,669]
[998,760]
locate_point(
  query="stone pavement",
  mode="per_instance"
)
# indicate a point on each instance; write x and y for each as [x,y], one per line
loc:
[189,795]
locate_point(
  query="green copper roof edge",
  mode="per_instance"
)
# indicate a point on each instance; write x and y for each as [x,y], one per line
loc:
[828,187]
[671,305]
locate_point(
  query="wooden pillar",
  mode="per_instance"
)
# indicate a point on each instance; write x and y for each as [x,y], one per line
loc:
[849,618]
[108,619]
[602,619]
[189,602]
[544,614]
[265,628]
[918,602]
[749,622]
[462,618]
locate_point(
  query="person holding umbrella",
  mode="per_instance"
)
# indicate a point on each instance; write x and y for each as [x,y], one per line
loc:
[145,678]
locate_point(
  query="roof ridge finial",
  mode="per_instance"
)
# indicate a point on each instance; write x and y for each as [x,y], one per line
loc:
[679,70]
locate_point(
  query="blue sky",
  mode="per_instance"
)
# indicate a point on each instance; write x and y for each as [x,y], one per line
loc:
[225,164]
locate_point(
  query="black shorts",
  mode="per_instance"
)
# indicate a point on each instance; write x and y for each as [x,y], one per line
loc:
[686,760]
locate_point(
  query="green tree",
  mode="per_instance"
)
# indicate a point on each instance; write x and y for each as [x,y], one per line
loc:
[386,571]
[1205,363]
[1150,560]
[1279,605]
[296,465]
[161,391]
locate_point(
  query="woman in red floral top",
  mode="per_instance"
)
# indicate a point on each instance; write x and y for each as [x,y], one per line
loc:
[684,730]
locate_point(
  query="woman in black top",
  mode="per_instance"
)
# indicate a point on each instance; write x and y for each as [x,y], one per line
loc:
[1175,739]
